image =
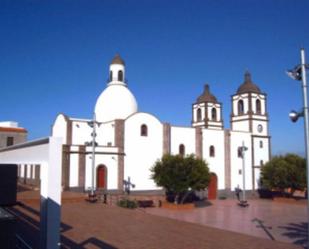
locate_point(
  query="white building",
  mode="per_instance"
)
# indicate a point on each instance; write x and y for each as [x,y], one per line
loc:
[11,134]
[129,142]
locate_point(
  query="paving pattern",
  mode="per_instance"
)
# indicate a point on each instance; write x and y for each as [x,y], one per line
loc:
[86,225]
[286,222]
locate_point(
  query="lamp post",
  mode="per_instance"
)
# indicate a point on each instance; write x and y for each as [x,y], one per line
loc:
[242,149]
[299,73]
[93,143]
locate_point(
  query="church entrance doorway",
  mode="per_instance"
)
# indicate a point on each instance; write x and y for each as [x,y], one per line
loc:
[213,187]
[101,176]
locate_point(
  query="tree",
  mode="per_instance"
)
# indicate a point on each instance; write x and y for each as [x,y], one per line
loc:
[283,172]
[181,175]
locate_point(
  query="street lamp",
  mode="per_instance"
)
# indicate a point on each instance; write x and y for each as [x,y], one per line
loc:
[93,123]
[299,73]
[241,152]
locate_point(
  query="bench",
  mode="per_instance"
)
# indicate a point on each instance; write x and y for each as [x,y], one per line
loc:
[145,203]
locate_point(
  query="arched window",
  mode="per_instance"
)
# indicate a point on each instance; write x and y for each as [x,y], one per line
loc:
[110,75]
[212,151]
[261,144]
[182,150]
[144,130]
[213,114]
[199,115]
[120,75]
[258,106]
[240,107]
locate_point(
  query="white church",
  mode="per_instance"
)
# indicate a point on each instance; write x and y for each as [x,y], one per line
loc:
[129,142]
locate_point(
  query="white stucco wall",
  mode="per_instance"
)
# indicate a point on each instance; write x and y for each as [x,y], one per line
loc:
[110,162]
[185,136]
[216,164]
[142,151]
[106,134]
[81,132]
[22,170]
[59,128]
[241,126]
[29,171]
[261,153]
[74,169]
[256,123]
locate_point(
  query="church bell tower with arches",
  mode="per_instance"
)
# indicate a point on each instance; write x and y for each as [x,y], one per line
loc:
[207,111]
[249,109]
[249,114]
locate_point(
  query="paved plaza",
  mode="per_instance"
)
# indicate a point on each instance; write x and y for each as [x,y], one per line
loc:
[86,225]
[267,219]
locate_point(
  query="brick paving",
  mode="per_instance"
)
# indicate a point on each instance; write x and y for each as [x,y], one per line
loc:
[281,221]
[86,225]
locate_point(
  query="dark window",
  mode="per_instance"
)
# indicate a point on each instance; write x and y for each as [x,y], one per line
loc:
[111,75]
[261,144]
[212,151]
[214,114]
[199,114]
[240,107]
[144,130]
[120,75]
[9,141]
[182,150]
[258,106]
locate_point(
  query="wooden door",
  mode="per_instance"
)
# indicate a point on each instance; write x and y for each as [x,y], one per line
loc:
[101,177]
[212,188]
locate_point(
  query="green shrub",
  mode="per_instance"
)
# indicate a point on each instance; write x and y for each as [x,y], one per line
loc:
[180,176]
[126,203]
[283,172]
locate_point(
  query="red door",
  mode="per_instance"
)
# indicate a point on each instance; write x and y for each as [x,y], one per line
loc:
[101,177]
[212,188]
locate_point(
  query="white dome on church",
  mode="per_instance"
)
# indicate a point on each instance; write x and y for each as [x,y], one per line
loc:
[115,102]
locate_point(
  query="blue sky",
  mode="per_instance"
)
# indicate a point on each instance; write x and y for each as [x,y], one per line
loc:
[54,57]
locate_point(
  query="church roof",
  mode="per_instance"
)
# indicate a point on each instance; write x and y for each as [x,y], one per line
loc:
[248,86]
[206,96]
[118,60]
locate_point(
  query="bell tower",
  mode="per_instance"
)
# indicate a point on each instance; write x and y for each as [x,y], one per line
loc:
[249,108]
[117,71]
[207,111]
[249,114]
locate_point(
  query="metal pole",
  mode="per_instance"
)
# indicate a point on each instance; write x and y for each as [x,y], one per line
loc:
[243,172]
[304,86]
[93,152]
